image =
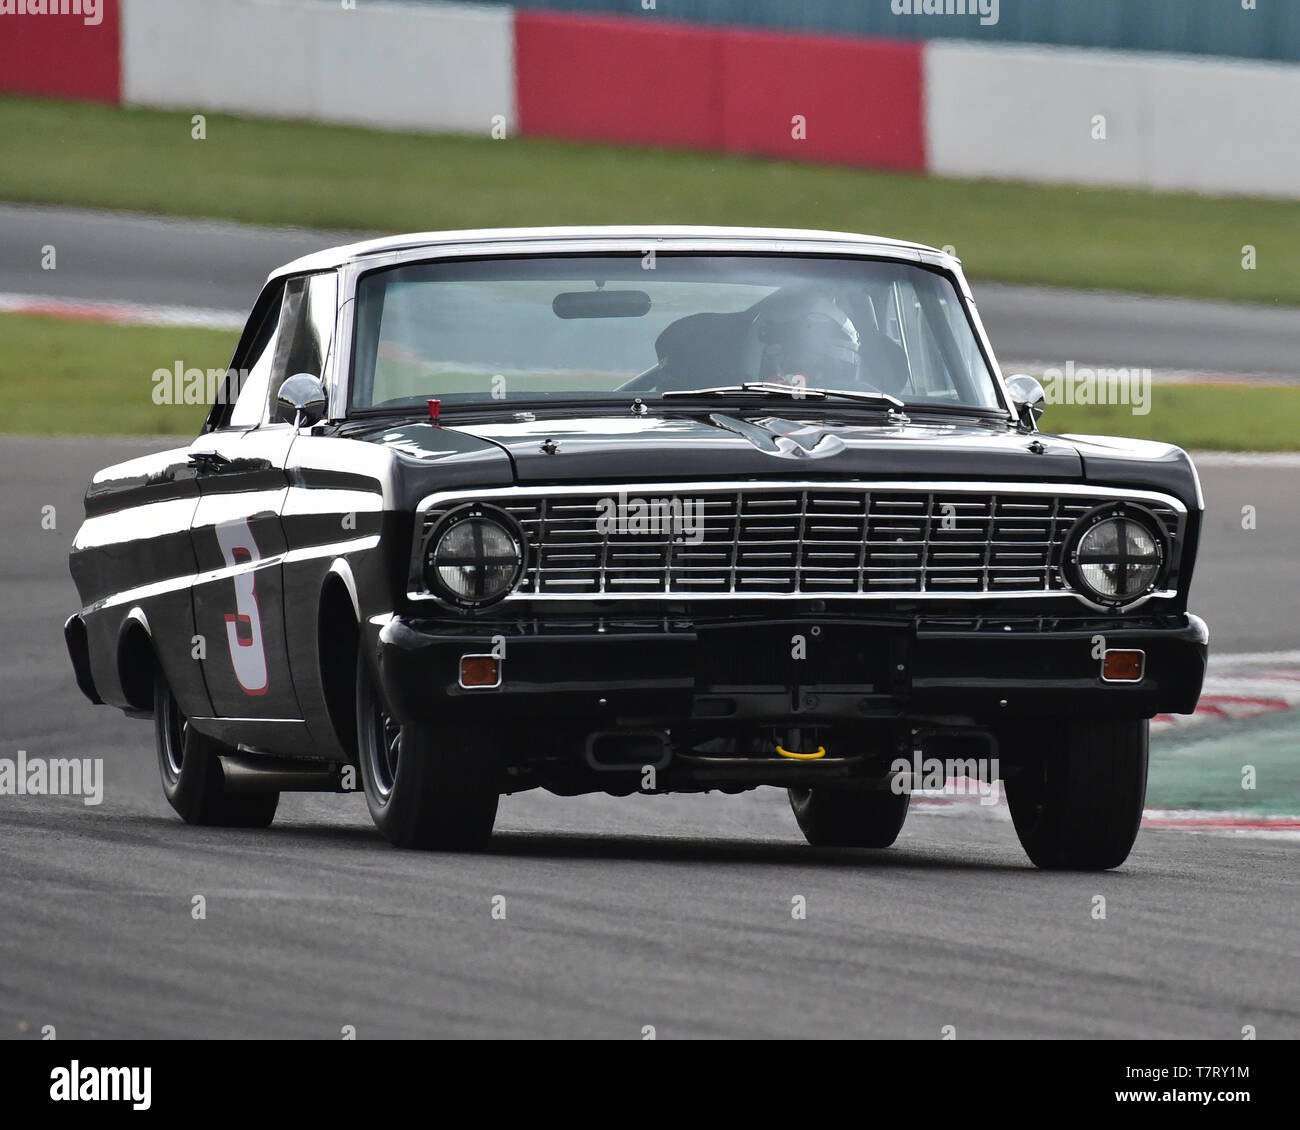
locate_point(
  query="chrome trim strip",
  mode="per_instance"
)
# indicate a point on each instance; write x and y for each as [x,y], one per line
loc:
[920,486]
[695,598]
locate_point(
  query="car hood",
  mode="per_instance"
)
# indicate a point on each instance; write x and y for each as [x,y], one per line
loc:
[723,445]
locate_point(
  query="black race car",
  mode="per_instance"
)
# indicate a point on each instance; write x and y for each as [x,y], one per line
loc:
[641,510]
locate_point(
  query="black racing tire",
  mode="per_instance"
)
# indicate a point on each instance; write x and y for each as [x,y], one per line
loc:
[1077,801]
[849,817]
[432,788]
[191,774]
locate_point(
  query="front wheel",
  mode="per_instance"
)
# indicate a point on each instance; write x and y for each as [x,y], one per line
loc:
[849,817]
[1078,797]
[427,787]
[191,772]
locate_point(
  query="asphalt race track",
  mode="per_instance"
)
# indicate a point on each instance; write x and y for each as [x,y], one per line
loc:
[670,912]
[146,260]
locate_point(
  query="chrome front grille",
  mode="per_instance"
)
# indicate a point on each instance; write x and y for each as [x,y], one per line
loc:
[820,540]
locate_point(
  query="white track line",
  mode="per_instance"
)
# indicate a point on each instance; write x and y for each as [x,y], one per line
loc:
[1281,459]
[120,313]
[1162,376]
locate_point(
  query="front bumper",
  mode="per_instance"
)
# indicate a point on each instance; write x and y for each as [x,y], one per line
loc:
[728,676]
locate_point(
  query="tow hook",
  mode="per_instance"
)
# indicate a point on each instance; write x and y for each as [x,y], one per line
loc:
[821,752]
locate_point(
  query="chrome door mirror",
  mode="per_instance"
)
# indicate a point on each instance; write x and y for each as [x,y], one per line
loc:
[301,401]
[1027,399]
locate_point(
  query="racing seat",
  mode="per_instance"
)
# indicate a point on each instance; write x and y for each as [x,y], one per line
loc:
[704,350]
[701,350]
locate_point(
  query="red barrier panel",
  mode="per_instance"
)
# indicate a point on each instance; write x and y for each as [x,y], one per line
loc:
[647,82]
[819,98]
[609,79]
[63,55]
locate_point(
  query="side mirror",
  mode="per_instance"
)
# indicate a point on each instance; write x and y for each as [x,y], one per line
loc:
[1027,399]
[301,401]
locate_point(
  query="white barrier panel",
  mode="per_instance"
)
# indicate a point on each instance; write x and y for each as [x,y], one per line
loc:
[1101,117]
[439,67]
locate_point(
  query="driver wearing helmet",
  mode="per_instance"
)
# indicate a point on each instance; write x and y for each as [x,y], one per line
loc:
[802,337]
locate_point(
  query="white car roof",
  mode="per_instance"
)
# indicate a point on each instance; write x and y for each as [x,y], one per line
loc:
[616,238]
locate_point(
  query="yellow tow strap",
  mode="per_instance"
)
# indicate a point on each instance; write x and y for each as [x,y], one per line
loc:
[821,752]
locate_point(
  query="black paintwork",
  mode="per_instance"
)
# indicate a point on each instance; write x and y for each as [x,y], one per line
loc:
[593,449]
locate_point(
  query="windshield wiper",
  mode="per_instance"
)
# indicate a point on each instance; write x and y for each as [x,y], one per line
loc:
[788,392]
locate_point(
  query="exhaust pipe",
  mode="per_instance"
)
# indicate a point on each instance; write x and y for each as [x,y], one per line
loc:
[628,750]
[254,773]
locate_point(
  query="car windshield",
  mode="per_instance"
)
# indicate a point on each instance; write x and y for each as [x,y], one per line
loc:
[612,326]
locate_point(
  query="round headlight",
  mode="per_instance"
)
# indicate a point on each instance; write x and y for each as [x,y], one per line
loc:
[474,557]
[1118,555]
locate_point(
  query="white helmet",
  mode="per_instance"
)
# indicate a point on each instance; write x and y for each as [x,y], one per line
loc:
[803,333]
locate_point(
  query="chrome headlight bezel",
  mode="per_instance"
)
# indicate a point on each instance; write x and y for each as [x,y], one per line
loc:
[1076,554]
[456,522]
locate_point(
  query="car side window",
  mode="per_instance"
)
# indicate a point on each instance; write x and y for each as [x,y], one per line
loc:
[932,378]
[307,329]
[250,407]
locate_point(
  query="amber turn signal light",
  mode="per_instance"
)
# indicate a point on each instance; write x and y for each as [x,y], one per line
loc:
[480,671]
[1122,666]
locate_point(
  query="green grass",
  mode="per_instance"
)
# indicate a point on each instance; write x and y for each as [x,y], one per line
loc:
[87,378]
[1196,417]
[281,172]
[92,378]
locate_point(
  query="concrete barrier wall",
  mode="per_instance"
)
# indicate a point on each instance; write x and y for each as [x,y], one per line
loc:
[1100,117]
[445,67]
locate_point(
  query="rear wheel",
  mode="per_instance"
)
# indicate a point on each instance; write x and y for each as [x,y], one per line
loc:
[1077,801]
[191,774]
[849,817]
[427,787]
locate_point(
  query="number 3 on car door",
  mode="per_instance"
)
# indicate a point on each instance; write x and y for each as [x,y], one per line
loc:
[244,625]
